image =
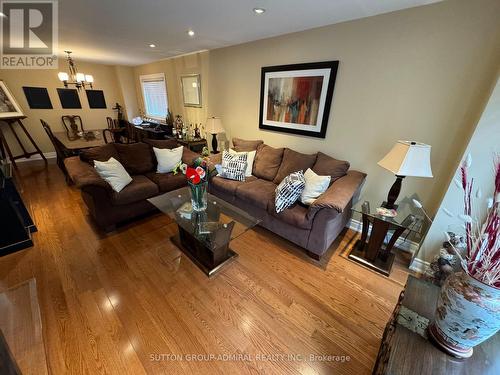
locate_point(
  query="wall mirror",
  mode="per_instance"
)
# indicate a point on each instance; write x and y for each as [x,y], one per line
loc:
[191,90]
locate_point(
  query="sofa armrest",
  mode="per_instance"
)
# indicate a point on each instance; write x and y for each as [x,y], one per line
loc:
[83,174]
[188,156]
[340,193]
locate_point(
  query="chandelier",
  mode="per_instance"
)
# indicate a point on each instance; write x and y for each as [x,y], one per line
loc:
[74,78]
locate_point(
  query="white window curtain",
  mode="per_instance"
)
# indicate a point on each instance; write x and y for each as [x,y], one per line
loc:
[154,92]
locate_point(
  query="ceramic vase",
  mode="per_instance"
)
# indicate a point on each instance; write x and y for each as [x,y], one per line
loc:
[199,195]
[467,313]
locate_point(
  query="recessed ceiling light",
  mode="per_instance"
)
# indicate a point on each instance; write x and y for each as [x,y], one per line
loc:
[258,10]
[190,32]
[152,45]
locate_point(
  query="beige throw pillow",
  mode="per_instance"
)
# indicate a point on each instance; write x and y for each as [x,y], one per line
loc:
[315,186]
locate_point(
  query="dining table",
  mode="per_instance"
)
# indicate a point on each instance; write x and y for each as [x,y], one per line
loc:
[76,144]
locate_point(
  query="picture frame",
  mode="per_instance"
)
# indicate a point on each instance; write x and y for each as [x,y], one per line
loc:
[9,108]
[297,98]
[37,97]
[69,98]
[191,90]
[96,99]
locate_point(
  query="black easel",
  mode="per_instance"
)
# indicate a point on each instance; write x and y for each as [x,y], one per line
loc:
[3,142]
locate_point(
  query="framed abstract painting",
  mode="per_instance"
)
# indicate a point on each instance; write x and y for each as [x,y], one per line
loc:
[297,98]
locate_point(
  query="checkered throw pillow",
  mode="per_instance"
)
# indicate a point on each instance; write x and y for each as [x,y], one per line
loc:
[289,190]
[234,166]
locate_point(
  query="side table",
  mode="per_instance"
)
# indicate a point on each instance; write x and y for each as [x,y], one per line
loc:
[405,348]
[372,250]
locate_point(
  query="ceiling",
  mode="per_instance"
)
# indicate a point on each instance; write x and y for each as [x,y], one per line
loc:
[119,32]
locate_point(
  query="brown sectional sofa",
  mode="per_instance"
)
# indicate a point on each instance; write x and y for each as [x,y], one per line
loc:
[108,207]
[312,227]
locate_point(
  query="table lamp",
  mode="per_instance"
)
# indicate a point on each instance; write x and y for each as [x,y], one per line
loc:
[214,126]
[406,159]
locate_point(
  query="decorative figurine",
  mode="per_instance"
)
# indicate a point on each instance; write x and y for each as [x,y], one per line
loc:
[446,262]
[119,109]
[197,134]
[179,125]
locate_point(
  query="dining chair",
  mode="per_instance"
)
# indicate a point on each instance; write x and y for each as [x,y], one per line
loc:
[61,151]
[112,123]
[72,123]
[117,133]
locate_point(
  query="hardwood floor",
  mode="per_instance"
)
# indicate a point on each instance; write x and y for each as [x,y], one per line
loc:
[131,303]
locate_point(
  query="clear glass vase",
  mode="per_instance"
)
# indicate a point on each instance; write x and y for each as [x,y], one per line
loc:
[199,195]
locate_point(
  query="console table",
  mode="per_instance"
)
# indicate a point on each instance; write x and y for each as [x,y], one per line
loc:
[405,348]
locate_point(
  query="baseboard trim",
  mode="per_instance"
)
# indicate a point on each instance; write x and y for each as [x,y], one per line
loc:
[417,265]
[48,155]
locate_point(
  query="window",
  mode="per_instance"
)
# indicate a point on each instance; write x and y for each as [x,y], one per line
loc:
[154,92]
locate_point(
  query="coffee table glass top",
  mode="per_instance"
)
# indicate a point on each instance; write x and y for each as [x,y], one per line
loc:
[220,223]
[406,210]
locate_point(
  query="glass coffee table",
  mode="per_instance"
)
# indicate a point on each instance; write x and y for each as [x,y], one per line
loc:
[204,236]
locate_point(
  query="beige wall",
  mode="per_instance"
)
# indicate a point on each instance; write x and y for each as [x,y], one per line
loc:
[126,82]
[174,68]
[484,144]
[421,74]
[105,79]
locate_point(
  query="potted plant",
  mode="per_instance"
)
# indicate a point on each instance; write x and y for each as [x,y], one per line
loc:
[468,308]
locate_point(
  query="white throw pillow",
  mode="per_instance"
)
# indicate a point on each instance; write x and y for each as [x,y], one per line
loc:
[315,186]
[250,159]
[167,158]
[113,173]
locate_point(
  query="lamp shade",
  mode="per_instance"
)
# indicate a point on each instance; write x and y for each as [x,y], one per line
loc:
[408,159]
[214,125]
[63,76]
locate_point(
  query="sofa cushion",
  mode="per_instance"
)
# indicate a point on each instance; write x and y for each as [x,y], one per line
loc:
[267,162]
[139,189]
[99,153]
[245,145]
[258,193]
[293,161]
[327,166]
[167,181]
[136,157]
[296,215]
[229,187]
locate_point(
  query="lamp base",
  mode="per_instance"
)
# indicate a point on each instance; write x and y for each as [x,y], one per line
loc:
[393,193]
[214,144]
[394,206]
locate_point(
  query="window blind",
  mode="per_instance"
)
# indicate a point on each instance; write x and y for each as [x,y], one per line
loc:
[155,97]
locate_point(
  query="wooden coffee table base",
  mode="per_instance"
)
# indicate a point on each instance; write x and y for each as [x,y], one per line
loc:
[210,262]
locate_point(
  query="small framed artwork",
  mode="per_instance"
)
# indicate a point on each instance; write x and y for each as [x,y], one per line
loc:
[297,98]
[96,98]
[9,108]
[69,98]
[191,90]
[37,97]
